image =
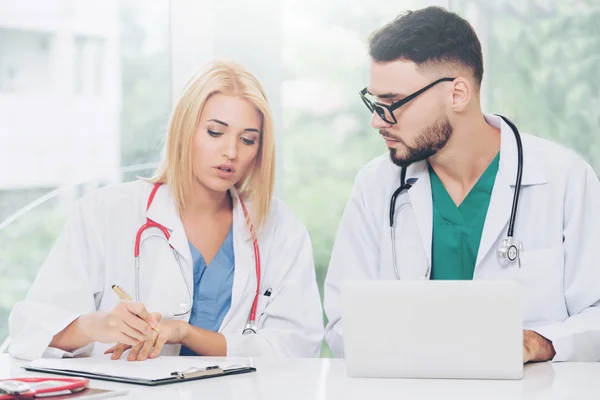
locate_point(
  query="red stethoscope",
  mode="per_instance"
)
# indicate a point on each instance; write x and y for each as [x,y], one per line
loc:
[251,324]
[29,388]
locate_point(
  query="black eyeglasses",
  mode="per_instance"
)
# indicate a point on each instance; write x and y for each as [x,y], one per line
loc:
[385,111]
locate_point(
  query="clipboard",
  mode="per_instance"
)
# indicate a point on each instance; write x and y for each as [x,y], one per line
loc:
[191,374]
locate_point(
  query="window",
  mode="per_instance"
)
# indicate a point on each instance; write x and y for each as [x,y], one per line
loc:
[85,91]
[89,66]
[24,61]
[542,60]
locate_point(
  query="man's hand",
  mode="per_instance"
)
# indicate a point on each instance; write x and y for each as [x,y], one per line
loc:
[536,347]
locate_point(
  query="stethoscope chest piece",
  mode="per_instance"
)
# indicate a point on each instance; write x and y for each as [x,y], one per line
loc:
[249,330]
[509,251]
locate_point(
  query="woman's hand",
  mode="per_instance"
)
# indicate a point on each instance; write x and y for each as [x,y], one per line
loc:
[128,323]
[170,332]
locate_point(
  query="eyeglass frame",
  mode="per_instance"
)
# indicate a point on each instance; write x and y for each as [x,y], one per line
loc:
[378,107]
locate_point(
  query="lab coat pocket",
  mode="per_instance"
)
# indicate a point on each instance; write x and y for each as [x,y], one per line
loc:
[541,274]
[263,302]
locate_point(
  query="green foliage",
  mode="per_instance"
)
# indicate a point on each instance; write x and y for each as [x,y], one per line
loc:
[23,247]
[146,82]
[544,68]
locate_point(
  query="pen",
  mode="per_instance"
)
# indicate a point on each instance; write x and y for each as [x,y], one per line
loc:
[121,293]
[124,296]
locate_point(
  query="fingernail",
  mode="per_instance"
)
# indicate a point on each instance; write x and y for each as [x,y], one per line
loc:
[152,355]
[153,323]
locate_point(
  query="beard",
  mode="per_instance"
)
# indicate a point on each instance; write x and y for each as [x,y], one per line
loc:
[431,140]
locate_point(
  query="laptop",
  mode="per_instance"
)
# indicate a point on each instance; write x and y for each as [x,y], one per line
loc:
[433,329]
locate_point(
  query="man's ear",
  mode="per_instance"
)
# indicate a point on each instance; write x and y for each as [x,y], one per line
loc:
[462,91]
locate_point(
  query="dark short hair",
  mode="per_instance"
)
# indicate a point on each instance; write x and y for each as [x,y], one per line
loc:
[429,37]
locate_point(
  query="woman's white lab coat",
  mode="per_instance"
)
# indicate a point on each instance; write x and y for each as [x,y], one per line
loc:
[95,251]
[558,223]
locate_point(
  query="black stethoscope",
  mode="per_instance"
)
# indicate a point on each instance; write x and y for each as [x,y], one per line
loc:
[508,251]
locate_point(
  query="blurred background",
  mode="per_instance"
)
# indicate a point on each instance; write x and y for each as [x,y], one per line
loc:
[86,88]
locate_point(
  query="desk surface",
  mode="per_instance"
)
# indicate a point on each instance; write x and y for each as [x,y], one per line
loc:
[323,379]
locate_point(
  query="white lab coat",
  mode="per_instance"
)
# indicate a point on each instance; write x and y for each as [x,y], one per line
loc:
[558,222]
[95,251]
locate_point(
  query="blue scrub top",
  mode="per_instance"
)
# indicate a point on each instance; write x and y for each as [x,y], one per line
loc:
[212,288]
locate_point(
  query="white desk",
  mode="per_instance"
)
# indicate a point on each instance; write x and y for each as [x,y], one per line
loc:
[323,379]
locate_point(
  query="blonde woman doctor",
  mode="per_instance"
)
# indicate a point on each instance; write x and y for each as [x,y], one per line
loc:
[235,276]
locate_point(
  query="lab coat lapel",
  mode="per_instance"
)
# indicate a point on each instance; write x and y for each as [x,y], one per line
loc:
[244,276]
[164,211]
[420,198]
[500,206]
[497,215]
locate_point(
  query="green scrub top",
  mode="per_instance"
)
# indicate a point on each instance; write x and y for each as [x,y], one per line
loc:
[457,230]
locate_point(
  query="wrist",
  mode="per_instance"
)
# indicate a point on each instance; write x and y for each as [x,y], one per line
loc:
[87,325]
[183,329]
[77,334]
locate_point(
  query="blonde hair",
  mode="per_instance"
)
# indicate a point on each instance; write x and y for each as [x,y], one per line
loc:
[176,168]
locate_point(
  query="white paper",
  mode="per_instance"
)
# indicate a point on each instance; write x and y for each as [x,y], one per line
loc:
[150,369]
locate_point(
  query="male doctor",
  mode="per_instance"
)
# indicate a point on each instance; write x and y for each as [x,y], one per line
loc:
[424,96]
